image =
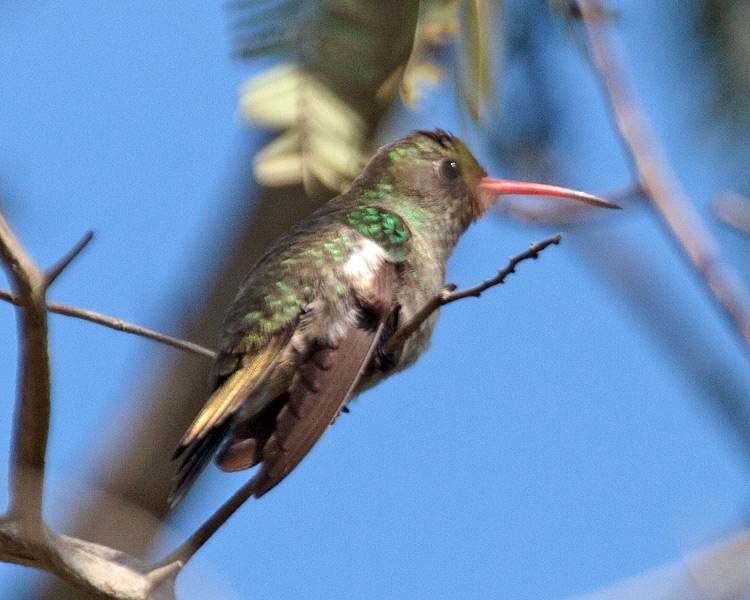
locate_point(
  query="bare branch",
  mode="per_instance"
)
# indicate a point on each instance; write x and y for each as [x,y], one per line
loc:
[657,179]
[185,552]
[181,555]
[449,294]
[116,324]
[90,566]
[734,210]
[52,273]
[31,425]
[24,537]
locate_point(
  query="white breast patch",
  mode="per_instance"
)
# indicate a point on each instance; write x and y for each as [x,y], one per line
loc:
[363,264]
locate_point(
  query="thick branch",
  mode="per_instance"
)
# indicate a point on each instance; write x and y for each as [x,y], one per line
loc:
[99,569]
[185,552]
[31,425]
[656,177]
[449,294]
[117,324]
[24,537]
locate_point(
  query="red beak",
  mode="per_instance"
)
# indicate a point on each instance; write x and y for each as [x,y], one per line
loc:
[505,186]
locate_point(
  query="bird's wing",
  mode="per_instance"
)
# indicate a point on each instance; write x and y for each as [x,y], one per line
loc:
[323,385]
[227,399]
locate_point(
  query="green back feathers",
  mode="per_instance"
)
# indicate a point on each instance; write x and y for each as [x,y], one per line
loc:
[384,227]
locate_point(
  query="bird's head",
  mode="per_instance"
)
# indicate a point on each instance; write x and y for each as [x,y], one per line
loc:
[437,172]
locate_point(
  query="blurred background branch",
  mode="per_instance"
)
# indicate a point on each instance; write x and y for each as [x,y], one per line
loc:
[719,572]
[734,210]
[657,179]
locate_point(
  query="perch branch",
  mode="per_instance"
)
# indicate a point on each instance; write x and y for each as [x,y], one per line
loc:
[656,177]
[185,552]
[116,324]
[449,294]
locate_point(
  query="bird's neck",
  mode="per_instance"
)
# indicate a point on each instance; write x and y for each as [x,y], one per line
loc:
[435,233]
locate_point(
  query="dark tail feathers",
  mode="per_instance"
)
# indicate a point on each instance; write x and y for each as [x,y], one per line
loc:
[195,457]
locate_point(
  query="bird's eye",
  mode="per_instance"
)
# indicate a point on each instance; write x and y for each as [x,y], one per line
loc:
[450,169]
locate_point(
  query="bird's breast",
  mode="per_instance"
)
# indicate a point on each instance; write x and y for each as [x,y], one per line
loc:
[420,280]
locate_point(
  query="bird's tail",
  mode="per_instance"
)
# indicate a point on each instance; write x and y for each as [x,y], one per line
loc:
[205,435]
[196,456]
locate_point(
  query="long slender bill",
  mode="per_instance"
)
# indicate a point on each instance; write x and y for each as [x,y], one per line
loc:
[505,186]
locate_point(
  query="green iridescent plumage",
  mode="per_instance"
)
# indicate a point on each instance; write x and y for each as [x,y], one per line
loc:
[382,226]
[279,305]
[310,260]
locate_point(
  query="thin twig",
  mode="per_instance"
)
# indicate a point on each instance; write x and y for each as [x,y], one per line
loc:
[657,179]
[185,552]
[52,273]
[449,294]
[116,324]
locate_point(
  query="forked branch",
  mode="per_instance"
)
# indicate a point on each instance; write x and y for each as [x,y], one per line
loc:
[31,421]
[24,537]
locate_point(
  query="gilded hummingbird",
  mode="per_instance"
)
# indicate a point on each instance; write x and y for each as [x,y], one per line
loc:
[308,328]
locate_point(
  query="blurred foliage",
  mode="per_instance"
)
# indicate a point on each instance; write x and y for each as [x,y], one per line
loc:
[343,62]
[723,26]
[480,48]
[524,142]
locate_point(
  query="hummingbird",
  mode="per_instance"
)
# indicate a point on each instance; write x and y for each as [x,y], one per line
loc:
[308,329]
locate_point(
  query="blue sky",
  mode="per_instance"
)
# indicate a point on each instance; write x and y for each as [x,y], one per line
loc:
[554,439]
